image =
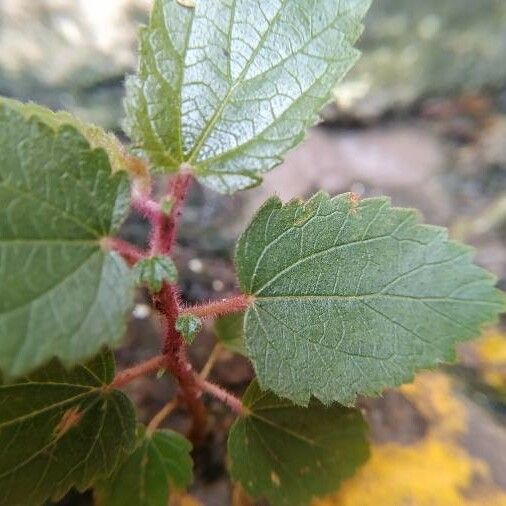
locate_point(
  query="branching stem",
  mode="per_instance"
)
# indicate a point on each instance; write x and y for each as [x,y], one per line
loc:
[177,360]
[164,225]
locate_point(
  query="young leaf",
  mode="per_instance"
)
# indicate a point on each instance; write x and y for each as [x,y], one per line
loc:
[229,330]
[161,462]
[189,326]
[155,271]
[229,86]
[61,429]
[58,200]
[290,454]
[351,297]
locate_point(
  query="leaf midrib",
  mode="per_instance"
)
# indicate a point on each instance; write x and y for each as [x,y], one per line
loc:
[180,79]
[374,295]
[194,153]
[213,159]
[217,114]
[284,430]
[89,391]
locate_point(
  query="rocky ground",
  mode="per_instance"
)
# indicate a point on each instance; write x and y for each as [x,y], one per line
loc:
[422,119]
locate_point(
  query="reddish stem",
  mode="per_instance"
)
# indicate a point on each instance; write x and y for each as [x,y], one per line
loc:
[175,352]
[163,234]
[165,226]
[221,307]
[141,198]
[130,253]
[128,375]
[147,207]
[178,191]
[222,395]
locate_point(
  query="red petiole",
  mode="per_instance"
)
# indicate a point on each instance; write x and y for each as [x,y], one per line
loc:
[220,308]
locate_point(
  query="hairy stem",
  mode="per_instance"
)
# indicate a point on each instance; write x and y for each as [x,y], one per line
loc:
[177,361]
[222,395]
[163,234]
[147,207]
[164,227]
[220,308]
[130,253]
[129,375]
[178,191]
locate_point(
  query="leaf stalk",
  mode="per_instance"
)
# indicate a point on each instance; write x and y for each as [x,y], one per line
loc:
[231,401]
[222,307]
[139,370]
[129,252]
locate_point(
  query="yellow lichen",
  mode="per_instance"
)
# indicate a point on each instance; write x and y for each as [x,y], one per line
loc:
[434,398]
[429,473]
[491,354]
[435,471]
[492,348]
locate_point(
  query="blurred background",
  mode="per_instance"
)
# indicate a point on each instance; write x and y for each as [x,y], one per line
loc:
[422,119]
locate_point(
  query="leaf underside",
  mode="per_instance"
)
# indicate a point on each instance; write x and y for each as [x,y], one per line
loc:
[58,199]
[161,462]
[290,454]
[352,297]
[230,85]
[60,429]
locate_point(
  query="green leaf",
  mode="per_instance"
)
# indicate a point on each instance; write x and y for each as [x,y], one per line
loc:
[61,429]
[189,326]
[161,462]
[229,86]
[64,296]
[290,454]
[156,270]
[229,330]
[96,136]
[351,297]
